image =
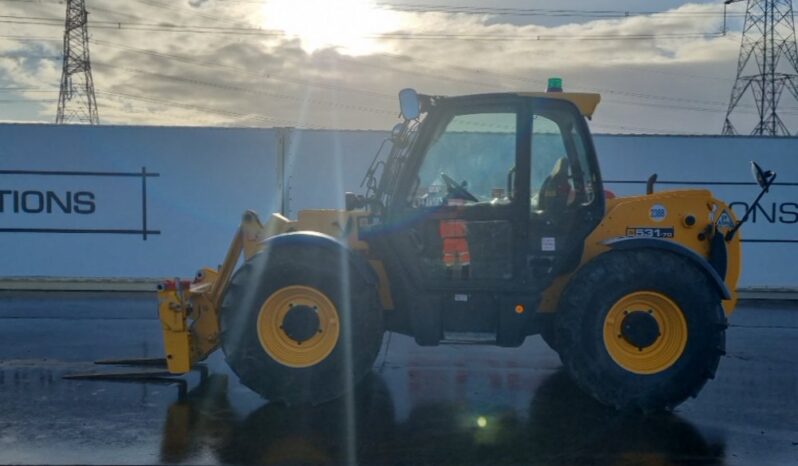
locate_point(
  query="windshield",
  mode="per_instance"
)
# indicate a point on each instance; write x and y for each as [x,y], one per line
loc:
[477,150]
[388,171]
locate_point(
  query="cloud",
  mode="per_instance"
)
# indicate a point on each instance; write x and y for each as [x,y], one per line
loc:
[666,72]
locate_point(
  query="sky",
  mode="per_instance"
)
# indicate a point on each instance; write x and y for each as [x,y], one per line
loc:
[660,66]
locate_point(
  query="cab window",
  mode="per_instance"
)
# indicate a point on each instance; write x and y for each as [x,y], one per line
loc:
[476,153]
[561,175]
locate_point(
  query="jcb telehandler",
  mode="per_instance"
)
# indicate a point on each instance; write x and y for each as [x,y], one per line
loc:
[486,223]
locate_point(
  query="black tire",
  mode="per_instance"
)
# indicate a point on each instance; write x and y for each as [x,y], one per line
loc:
[602,283]
[547,332]
[360,322]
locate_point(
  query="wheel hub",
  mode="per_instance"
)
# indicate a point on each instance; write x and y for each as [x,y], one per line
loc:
[640,329]
[645,332]
[298,326]
[301,323]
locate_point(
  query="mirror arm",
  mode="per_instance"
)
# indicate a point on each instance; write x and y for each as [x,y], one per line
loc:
[750,209]
[372,167]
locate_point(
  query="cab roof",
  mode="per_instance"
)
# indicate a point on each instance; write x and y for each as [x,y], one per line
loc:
[586,102]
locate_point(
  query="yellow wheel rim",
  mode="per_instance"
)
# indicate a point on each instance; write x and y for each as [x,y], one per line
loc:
[276,340]
[660,350]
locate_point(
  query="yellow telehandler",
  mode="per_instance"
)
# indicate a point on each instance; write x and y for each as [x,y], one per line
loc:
[486,223]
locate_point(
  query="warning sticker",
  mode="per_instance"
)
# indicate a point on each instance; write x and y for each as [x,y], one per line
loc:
[725,221]
[548,244]
[658,212]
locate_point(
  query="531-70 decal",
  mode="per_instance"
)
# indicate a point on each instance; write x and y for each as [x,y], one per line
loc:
[645,232]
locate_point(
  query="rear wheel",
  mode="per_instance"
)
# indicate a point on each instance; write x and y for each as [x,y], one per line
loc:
[300,325]
[547,332]
[641,329]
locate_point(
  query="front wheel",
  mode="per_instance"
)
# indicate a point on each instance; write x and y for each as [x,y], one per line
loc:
[300,325]
[641,329]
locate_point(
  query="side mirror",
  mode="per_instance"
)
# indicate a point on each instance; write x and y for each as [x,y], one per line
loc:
[408,104]
[763,177]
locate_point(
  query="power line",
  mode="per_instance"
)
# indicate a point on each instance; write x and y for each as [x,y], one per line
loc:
[716,109]
[491,85]
[236,88]
[155,3]
[113,13]
[30,38]
[250,31]
[28,101]
[202,108]
[517,11]
[36,57]
[28,89]
[424,8]
[128,107]
[526,79]
[230,87]
[216,18]
[193,11]
[241,71]
[434,76]
[643,129]
[603,90]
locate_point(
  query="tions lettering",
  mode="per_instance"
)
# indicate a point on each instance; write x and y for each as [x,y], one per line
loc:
[38,202]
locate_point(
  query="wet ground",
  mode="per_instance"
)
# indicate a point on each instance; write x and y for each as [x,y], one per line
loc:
[455,405]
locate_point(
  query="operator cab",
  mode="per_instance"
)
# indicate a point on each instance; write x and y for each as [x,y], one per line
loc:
[490,202]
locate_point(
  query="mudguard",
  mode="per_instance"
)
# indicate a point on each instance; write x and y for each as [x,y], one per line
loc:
[307,239]
[624,244]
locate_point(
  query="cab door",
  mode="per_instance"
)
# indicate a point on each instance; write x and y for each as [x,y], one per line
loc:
[461,223]
[566,199]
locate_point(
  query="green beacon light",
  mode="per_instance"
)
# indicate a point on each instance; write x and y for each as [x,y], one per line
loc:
[554,85]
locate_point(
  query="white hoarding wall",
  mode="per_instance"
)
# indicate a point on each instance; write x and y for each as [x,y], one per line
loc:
[322,165]
[152,201]
[80,201]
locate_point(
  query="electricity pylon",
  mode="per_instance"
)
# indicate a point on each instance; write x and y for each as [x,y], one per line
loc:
[768,64]
[76,101]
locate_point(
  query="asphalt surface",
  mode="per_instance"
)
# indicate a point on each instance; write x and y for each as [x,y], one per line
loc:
[455,405]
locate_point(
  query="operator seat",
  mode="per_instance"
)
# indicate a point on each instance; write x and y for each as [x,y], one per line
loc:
[556,188]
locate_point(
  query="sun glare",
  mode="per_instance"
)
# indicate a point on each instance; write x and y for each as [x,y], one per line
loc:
[347,25]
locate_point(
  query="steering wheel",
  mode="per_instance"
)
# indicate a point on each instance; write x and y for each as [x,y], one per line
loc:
[458,191]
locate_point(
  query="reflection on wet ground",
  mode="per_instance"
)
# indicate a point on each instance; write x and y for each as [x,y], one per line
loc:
[562,427]
[445,405]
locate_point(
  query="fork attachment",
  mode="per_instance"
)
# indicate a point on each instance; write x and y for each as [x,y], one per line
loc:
[189,310]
